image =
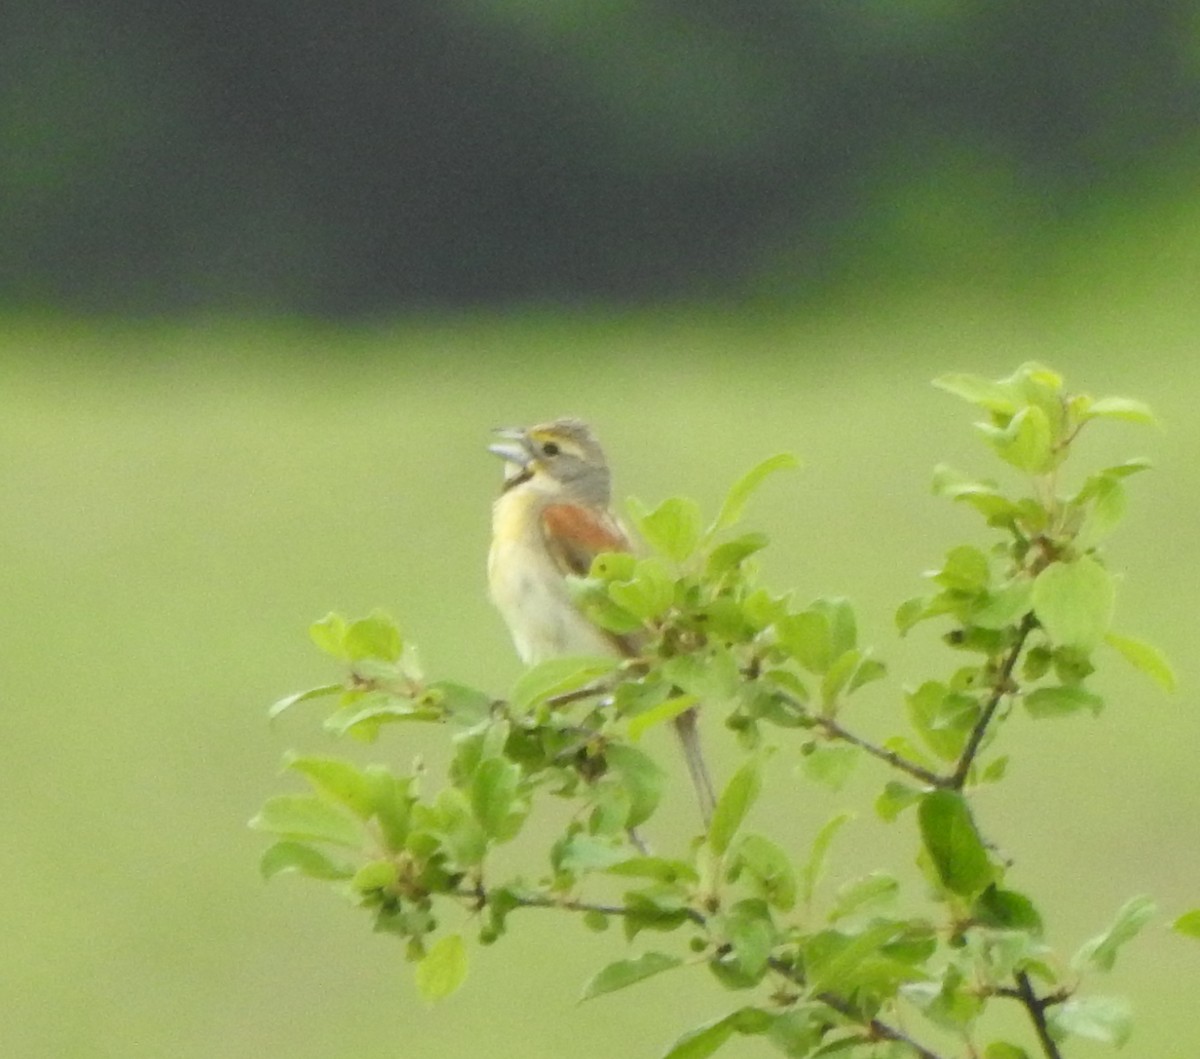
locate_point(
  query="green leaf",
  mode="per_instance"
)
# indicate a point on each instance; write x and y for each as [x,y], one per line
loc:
[843,628]
[1001,1050]
[673,528]
[463,704]
[591,596]
[307,817]
[1027,442]
[952,483]
[966,569]
[287,856]
[1098,1018]
[329,634]
[984,496]
[1072,665]
[994,771]
[611,803]
[374,875]
[558,676]
[814,867]
[830,764]
[376,708]
[1145,657]
[912,611]
[769,868]
[1121,408]
[444,968]
[807,638]
[840,962]
[1101,951]
[763,609]
[493,793]
[1188,924]
[735,801]
[895,798]
[288,701]
[632,697]
[950,837]
[664,711]
[819,635]
[1128,467]
[393,802]
[704,1040]
[869,670]
[660,869]
[749,929]
[374,636]
[582,853]
[641,776]
[595,921]
[340,780]
[746,486]
[952,1003]
[648,594]
[624,973]
[1004,606]
[799,1029]
[838,675]
[1061,701]
[870,891]
[942,718]
[731,554]
[661,908]
[986,393]
[462,835]
[1102,514]
[1007,910]
[712,675]
[613,566]
[1074,602]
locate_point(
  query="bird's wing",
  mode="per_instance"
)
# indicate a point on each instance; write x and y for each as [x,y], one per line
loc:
[575,535]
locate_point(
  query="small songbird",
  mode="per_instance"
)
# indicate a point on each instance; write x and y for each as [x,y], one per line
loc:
[552,518]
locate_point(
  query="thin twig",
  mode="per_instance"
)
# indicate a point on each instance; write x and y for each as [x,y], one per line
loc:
[879,1030]
[1036,1006]
[1000,688]
[637,842]
[688,730]
[897,761]
[1059,996]
[587,692]
[481,896]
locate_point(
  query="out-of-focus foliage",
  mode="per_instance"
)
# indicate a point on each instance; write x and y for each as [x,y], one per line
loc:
[352,157]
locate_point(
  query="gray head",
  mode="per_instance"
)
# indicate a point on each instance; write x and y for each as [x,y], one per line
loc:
[562,458]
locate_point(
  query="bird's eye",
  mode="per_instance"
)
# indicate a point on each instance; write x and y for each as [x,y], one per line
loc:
[551,448]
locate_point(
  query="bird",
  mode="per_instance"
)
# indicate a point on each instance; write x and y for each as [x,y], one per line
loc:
[553,516]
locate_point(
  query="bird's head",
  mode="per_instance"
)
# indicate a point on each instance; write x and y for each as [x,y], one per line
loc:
[561,459]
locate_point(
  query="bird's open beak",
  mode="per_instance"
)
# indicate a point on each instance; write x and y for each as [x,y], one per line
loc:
[513,447]
[516,450]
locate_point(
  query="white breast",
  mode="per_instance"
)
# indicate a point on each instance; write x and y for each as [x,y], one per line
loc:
[530,592]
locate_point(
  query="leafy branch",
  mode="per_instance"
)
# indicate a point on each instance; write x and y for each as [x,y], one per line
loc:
[1024,617]
[628,972]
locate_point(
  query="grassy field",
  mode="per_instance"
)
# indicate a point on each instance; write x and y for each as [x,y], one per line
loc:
[181,501]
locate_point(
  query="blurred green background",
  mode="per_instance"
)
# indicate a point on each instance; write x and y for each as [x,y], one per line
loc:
[270,273]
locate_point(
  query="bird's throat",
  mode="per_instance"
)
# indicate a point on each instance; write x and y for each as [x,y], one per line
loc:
[520,478]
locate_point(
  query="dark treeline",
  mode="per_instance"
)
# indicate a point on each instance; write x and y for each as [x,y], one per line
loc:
[360,157]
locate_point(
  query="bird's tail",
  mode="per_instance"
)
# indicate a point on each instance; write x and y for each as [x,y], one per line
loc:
[689,738]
